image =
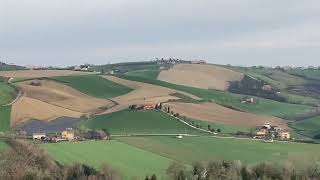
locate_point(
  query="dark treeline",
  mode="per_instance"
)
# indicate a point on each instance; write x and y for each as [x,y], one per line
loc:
[236,170]
[249,86]
[26,161]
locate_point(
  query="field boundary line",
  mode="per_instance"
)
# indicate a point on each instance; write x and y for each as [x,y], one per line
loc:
[15,100]
[184,122]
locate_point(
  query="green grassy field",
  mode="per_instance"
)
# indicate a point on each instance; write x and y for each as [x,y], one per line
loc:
[308,127]
[192,149]
[6,93]
[94,85]
[311,74]
[129,161]
[5,113]
[263,106]
[139,122]
[153,74]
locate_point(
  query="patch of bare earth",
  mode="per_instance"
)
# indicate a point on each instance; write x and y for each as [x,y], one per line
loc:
[142,93]
[212,112]
[64,96]
[202,76]
[40,73]
[27,108]
[49,100]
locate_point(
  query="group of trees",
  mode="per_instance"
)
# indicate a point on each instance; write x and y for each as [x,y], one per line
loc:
[192,123]
[28,162]
[250,86]
[229,170]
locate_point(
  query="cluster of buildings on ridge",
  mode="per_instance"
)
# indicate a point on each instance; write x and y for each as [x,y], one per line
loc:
[163,61]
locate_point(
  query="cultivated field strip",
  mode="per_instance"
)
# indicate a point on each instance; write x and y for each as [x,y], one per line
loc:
[200,76]
[212,112]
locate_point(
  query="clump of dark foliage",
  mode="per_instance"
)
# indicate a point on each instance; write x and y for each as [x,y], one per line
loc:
[250,86]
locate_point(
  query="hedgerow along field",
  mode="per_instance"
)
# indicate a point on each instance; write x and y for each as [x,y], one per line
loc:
[306,73]
[263,106]
[194,149]
[129,161]
[139,122]
[94,85]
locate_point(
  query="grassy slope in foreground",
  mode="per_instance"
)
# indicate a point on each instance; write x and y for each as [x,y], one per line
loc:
[264,106]
[94,85]
[127,160]
[139,122]
[193,149]
[309,127]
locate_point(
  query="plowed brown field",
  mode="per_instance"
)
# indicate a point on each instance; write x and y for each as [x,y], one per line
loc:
[27,108]
[212,112]
[200,76]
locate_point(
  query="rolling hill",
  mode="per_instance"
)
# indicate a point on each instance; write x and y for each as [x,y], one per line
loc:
[200,76]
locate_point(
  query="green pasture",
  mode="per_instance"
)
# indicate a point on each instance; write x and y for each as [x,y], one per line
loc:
[129,161]
[193,149]
[3,146]
[225,128]
[6,93]
[308,127]
[139,122]
[94,85]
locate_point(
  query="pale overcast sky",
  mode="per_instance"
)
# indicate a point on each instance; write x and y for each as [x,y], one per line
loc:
[239,32]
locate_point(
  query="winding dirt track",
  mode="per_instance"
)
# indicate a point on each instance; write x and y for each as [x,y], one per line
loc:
[212,112]
[202,76]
